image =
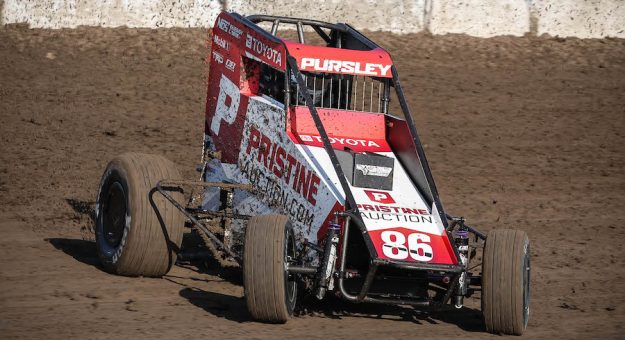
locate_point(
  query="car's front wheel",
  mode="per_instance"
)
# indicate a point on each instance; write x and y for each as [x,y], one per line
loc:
[270,292]
[506,281]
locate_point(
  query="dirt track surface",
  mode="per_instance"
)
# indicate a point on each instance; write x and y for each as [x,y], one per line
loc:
[520,132]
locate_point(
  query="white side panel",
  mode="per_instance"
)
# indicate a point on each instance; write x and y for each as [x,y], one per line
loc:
[288,182]
[381,209]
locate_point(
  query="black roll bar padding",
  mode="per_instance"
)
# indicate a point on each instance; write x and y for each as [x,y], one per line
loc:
[361,37]
[323,35]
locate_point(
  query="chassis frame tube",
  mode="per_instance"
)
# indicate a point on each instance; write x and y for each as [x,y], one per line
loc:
[200,226]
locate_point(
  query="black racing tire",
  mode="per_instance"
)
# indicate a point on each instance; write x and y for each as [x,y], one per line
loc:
[506,281]
[270,292]
[138,232]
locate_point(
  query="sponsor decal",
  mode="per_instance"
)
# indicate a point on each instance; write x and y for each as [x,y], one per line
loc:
[283,165]
[380,196]
[345,66]
[221,42]
[383,212]
[403,244]
[392,209]
[341,141]
[227,104]
[230,65]
[396,246]
[272,191]
[229,28]
[374,170]
[394,214]
[218,57]
[263,49]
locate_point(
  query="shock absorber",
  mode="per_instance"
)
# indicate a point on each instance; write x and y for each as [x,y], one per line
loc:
[325,279]
[462,241]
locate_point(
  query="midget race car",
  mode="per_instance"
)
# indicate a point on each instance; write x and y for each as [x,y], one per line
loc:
[312,182]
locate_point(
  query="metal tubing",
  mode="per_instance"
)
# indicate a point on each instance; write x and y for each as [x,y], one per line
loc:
[218,214]
[386,96]
[451,289]
[274,26]
[167,182]
[471,229]
[322,34]
[196,222]
[301,270]
[300,32]
[342,289]
[390,301]
[373,268]
[287,92]
[260,18]
[421,266]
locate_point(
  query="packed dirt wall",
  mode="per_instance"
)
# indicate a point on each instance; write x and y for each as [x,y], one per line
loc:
[481,18]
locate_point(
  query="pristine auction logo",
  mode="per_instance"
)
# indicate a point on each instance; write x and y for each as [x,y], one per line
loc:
[262,49]
[345,66]
[380,196]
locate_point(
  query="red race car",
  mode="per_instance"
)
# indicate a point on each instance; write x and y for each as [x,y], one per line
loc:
[313,175]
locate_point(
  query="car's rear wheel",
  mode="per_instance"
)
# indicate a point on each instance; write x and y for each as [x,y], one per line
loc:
[138,232]
[270,292]
[506,281]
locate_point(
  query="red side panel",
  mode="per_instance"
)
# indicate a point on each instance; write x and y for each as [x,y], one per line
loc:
[358,131]
[231,82]
[374,63]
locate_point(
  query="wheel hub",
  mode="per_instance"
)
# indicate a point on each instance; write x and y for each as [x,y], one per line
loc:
[115,210]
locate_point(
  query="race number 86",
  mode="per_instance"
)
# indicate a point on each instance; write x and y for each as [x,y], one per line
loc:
[396,248]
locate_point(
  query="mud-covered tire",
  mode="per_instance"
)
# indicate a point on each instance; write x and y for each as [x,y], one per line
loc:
[138,232]
[270,293]
[506,281]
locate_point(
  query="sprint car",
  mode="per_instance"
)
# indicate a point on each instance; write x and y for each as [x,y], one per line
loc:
[313,180]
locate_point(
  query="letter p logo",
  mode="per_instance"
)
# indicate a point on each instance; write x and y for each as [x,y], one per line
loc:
[224,111]
[380,196]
